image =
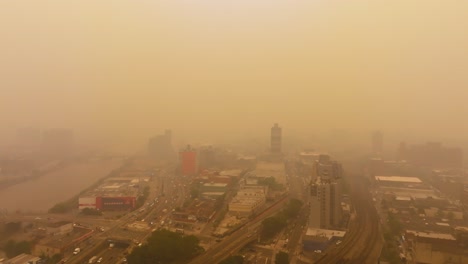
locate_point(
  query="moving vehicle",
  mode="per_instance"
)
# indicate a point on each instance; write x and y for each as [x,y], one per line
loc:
[93,259]
[77,250]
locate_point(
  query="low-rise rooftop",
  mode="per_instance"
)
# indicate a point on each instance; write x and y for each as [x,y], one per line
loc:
[398,179]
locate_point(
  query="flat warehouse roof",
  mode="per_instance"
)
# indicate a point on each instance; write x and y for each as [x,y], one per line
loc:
[398,179]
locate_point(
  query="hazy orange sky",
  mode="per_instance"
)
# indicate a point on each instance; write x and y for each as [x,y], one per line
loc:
[214,68]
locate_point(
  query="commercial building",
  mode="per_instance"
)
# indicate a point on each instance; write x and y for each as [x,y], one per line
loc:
[115,194]
[247,201]
[275,139]
[161,146]
[327,169]
[188,161]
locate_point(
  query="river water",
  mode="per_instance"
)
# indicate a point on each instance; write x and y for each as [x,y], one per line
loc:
[41,194]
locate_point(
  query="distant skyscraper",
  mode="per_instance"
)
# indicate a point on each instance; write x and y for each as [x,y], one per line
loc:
[161,146]
[276,139]
[188,161]
[377,143]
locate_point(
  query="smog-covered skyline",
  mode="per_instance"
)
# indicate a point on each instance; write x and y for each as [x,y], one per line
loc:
[214,69]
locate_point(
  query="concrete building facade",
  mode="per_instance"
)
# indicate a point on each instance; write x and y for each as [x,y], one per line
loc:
[275,139]
[325,204]
[188,161]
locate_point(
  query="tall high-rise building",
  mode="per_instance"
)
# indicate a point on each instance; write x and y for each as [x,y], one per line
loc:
[325,193]
[188,161]
[325,204]
[326,168]
[377,143]
[276,139]
[161,146]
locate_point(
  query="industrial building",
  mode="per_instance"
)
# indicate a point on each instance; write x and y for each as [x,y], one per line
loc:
[402,186]
[188,161]
[115,194]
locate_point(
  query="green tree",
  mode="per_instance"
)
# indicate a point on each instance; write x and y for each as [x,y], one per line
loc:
[91,211]
[142,198]
[60,208]
[293,208]
[233,260]
[272,225]
[271,183]
[13,248]
[394,225]
[164,246]
[282,258]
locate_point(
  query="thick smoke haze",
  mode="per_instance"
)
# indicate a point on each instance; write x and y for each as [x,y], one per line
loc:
[126,70]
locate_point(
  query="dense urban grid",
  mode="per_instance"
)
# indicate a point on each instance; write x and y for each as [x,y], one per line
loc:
[214,205]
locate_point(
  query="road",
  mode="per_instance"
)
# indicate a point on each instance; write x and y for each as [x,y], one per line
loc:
[234,242]
[152,211]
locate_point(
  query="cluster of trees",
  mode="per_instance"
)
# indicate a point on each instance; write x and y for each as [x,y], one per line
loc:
[142,198]
[13,248]
[237,259]
[271,183]
[282,258]
[166,247]
[51,260]
[60,208]
[390,251]
[11,228]
[91,211]
[272,225]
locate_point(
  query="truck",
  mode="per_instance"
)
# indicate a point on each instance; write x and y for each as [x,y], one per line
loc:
[77,250]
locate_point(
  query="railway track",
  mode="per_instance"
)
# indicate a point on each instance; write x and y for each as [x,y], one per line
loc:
[363,236]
